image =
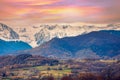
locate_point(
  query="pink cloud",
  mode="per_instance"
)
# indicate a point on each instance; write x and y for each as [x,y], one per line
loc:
[87,11]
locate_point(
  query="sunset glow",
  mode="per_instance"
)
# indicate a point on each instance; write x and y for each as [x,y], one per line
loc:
[16,12]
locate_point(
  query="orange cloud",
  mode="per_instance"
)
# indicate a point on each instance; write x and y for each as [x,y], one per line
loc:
[31,2]
[59,11]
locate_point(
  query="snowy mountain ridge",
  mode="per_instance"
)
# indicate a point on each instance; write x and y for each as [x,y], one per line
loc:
[37,35]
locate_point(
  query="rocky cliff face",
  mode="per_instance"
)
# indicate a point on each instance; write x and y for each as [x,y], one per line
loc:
[7,32]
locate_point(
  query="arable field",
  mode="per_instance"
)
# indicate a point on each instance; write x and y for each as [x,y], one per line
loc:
[41,71]
[72,69]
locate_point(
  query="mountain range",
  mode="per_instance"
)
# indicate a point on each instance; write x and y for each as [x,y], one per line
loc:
[37,35]
[62,41]
[97,44]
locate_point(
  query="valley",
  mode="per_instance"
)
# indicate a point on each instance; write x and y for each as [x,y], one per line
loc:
[69,69]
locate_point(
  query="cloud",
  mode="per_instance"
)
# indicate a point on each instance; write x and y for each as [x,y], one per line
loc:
[59,11]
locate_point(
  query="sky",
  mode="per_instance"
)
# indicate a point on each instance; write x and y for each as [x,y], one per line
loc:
[30,12]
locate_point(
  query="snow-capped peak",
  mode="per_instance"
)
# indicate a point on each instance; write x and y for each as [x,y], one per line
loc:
[36,35]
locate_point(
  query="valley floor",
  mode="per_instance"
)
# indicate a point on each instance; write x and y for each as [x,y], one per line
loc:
[66,70]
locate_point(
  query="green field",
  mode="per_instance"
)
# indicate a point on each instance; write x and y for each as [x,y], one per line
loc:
[55,71]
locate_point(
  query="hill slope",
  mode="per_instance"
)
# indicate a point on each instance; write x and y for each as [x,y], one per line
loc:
[25,60]
[12,46]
